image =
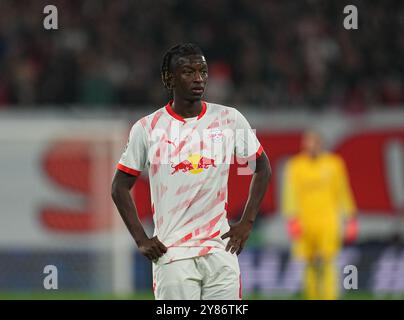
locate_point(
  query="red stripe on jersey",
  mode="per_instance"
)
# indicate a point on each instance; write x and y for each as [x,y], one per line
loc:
[260,150]
[160,191]
[203,111]
[224,112]
[214,124]
[187,187]
[182,143]
[161,150]
[207,227]
[203,145]
[208,238]
[214,221]
[128,170]
[156,119]
[257,154]
[143,122]
[179,148]
[210,225]
[172,113]
[182,240]
[153,169]
[204,251]
[252,157]
[227,121]
[210,206]
[189,202]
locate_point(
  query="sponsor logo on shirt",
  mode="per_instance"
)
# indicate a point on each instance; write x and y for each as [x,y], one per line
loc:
[195,163]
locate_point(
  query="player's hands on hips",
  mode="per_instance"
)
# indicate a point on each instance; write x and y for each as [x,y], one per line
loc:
[152,248]
[294,228]
[238,235]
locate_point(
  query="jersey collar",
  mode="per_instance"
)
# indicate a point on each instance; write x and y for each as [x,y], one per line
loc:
[172,113]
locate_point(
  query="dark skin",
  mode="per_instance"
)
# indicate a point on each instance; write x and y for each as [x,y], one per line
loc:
[122,183]
[240,231]
[188,82]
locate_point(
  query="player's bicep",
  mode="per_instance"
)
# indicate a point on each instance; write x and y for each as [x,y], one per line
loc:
[123,180]
[263,163]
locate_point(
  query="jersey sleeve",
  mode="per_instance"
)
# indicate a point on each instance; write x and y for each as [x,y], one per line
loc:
[246,142]
[134,158]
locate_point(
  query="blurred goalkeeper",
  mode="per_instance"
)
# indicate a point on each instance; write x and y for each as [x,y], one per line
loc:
[316,198]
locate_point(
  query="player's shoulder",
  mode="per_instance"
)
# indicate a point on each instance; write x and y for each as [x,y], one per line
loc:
[216,108]
[295,161]
[332,157]
[151,119]
[297,158]
[231,114]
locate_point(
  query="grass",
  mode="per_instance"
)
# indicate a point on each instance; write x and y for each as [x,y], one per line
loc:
[149,296]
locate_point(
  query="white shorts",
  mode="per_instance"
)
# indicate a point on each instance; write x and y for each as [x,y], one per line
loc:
[214,276]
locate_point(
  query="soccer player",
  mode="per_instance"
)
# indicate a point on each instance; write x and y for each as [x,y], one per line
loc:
[316,195]
[187,147]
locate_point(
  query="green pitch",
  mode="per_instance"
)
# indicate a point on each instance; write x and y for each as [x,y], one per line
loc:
[149,296]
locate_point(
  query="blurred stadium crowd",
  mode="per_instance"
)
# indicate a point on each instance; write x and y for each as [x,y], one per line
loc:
[269,54]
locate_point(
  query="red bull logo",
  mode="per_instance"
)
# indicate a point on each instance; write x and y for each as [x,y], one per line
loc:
[194,164]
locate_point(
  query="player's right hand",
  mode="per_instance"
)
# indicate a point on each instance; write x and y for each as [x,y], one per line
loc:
[152,248]
[294,228]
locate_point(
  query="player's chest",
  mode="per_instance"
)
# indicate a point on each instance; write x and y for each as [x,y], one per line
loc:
[193,141]
[314,176]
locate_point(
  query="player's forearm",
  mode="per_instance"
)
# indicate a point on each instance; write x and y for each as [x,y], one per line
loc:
[258,187]
[128,212]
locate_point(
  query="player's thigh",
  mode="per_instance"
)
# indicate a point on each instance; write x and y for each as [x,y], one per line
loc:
[223,279]
[178,280]
[303,249]
[329,245]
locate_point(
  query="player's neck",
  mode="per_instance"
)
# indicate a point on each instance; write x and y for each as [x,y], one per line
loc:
[186,108]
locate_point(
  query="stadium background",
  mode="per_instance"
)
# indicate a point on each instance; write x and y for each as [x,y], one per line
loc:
[69,96]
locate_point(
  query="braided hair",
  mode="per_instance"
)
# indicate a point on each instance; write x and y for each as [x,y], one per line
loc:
[175,52]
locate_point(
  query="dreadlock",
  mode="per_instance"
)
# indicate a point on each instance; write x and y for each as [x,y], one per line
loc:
[175,52]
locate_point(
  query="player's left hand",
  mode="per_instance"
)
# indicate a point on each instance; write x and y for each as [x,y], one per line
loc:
[238,235]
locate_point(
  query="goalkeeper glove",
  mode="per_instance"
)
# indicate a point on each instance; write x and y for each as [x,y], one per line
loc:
[351,230]
[294,228]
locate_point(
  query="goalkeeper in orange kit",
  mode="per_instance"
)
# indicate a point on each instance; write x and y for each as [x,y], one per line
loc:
[316,196]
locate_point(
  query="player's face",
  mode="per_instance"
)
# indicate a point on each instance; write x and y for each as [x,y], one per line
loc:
[312,143]
[190,77]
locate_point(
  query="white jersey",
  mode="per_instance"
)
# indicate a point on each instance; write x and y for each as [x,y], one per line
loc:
[188,162]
